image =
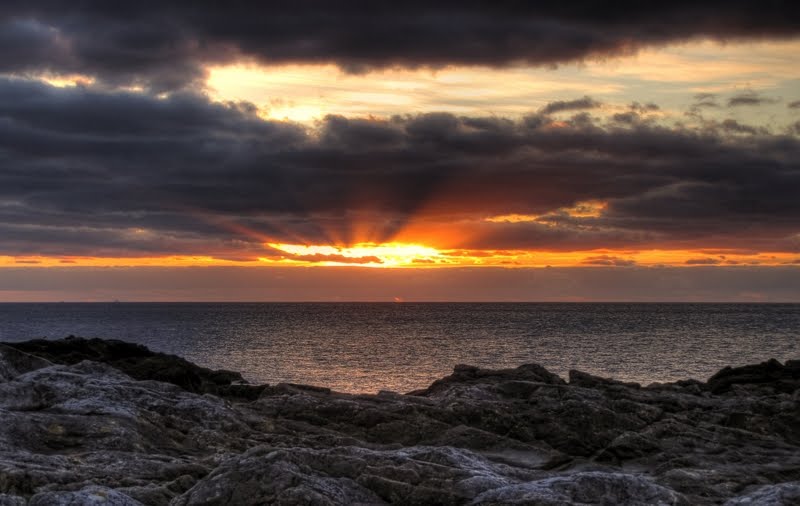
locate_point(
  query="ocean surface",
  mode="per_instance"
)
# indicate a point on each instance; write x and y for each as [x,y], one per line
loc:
[367,347]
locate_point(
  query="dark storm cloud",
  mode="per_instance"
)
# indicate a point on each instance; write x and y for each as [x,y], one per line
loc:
[165,44]
[92,171]
[570,105]
[563,237]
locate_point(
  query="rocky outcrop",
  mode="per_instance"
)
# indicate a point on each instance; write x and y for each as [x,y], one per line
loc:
[140,363]
[99,422]
[13,363]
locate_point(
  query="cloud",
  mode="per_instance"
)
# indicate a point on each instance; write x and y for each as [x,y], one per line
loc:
[93,171]
[570,105]
[794,105]
[644,108]
[167,44]
[608,260]
[700,97]
[749,98]
[703,261]
[703,101]
[318,257]
[733,126]
[626,117]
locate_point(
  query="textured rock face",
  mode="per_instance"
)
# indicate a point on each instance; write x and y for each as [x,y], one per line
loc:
[139,362]
[14,362]
[81,422]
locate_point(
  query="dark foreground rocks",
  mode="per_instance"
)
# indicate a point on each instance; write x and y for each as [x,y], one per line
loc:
[140,363]
[105,422]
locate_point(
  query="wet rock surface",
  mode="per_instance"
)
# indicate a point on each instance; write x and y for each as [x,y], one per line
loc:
[105,422]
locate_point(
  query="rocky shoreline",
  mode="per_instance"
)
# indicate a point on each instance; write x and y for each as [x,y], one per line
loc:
[107,422]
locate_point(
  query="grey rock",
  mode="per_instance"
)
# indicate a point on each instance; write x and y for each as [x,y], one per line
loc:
[12,500]
[14,362]
[353,475]
[782,494]
[585,488]
[140,363]
[74,431]
[88,496]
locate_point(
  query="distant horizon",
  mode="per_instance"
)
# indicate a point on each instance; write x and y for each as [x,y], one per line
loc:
[407,302]
[363,284]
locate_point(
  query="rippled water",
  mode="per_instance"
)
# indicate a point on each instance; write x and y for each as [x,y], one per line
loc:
[367,347]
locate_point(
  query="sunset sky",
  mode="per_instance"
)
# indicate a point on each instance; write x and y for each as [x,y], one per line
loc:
[400,151]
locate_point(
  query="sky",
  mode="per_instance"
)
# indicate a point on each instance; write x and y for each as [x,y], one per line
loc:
[350,150]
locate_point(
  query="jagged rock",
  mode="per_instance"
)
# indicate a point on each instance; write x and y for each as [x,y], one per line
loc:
[467,375]
[14,362]
[586,489]
[88,496]
[586,380]
[65,425]
[773,374]
[352,475]
[140,363]
[95,424]
[12,500]
[783,494]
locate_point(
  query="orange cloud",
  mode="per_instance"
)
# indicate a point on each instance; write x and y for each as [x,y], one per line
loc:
[398,255]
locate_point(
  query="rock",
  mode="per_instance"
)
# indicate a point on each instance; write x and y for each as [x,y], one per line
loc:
[88,496]
[772,374]
[465,375]
[352,475]
[93,420]
[783,494]
[584,488]
[67,425]
[586,380]
[14,362]
[12,500]
[140,363]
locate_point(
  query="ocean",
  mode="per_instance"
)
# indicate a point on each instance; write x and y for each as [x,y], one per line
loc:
[367,347]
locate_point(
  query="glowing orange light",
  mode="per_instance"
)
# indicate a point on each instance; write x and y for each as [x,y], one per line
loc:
[513,218]
[379,255]
[583,209]
[402,255]
[586,209]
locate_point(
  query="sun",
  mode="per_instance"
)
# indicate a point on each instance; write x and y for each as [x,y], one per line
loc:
[393,254]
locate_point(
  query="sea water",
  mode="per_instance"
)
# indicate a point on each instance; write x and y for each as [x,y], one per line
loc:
[366,347]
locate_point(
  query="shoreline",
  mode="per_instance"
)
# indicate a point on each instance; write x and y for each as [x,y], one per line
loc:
[88,417]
